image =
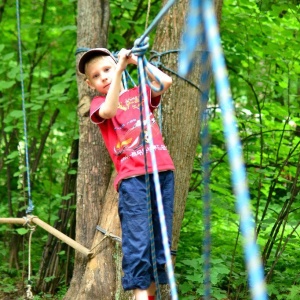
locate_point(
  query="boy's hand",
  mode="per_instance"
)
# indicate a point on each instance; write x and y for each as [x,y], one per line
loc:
[132,59]
[122,59]
[125,58]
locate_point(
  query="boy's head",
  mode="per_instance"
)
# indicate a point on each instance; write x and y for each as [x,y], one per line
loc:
[99,66]
[90,55]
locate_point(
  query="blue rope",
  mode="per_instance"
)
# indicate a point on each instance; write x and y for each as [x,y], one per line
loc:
[207,207]
[205,82]
[190,42]
[30,203]
[147,181]
[142,63]
[160,117]
[142,83]
[190,39]
[124,81]
[128,78]
[238,173]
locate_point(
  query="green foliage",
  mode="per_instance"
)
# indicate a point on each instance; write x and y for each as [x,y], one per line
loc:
[48,33]
[50,97]
[261,46]
[191,283]
[261,49]
[48,38]
[129,21]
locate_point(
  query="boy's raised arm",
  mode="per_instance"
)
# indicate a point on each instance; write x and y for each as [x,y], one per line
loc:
[165,79]
[109,108]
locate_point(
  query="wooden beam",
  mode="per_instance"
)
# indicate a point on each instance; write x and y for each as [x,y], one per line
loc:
[61,236]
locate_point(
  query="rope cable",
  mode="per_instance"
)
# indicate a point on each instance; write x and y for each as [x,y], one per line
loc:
[148,13]
[142,63]
[159,64]
[30,203]
[141,66]
[205,138]
[29,294]
[238,174]
[203,16]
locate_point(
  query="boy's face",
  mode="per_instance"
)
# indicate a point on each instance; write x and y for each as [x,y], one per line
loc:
[99,72]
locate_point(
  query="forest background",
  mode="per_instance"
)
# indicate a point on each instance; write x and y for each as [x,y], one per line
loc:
[261,46]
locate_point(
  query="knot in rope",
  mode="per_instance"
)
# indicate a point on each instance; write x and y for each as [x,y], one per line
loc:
[26,221]
[140,46]
[29,294]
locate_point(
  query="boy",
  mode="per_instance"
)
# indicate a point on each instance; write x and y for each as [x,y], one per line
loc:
[117,114]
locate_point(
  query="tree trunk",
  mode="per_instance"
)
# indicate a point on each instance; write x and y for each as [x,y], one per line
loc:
[96,199]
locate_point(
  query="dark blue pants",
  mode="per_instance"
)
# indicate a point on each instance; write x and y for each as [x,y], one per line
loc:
[133,212]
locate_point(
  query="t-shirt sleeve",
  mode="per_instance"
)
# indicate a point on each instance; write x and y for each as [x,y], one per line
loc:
[154,102]
[94,109]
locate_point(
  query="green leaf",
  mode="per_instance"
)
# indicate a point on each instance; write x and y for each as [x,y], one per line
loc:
[294,293]
[16,114]
[13,155]
[22,231]
[8,56]
[195,278]
[4,85]
[128,5]
[72,172]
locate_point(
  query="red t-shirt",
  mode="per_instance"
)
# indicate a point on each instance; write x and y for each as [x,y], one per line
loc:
[123,138]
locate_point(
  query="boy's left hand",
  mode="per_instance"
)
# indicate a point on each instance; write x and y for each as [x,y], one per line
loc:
[125,58]
[132,59]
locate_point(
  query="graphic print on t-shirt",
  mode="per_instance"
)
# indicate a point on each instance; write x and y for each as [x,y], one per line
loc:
[129,130]
[133,139]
